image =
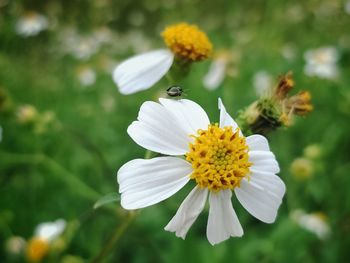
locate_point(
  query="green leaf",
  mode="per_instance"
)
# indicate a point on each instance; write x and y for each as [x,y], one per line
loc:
[108,198]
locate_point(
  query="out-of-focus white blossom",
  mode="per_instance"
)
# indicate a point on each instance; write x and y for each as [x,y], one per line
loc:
[288,52]
[44,236]
[347,7]
[322,62]
[216,73]
[314,222]
[15,245]
[26,113]
[262,82]
[31,24]
[50,230]
[82,47]
[86,76]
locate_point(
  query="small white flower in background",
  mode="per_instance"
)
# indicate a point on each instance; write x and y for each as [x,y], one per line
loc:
[26,113]
[217,72]
[347,7]
[218,158]
[262,82]
[314,222]
[288,51]
[50,230]
[82,47]
[103,35]
[86,76]
[322,62]
[45,233]
[31,24]
[141,72]
[15,245]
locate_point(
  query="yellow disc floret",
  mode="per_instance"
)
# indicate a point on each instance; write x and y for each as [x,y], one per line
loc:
[37,249]
[219,157]
[187,42]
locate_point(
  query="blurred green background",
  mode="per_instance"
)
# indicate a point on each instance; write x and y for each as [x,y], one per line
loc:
[64,124]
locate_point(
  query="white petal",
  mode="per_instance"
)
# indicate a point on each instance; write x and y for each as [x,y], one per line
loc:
[262,195]
[222,221]
[225,118]
[257,142]
[147,182]
[158,130]
[50,230]
[188,212]
[140,72]
[216,74]
[188,113]
[263,161]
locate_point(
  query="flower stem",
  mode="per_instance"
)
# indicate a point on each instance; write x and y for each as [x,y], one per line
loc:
[115,237]
[119,230]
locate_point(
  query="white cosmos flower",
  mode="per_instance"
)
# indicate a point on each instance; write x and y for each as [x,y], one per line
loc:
[50,230]
[322,62]
[217,157]
[142,71]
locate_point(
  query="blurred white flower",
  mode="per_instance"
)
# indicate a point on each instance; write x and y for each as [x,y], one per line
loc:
[347,7]
[15,245]
[31,24]
[50,230]
[314,222]
[288,52]
[216,73]
[44,236]
[86,76]
[103,35]
[262,82]
[26,113]
[141,72]
[218,158]
[82,47]
[322,62]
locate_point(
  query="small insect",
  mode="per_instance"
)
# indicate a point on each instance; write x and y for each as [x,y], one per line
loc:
[174,91]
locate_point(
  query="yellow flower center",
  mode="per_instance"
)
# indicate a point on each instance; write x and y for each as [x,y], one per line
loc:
[37,249]
[187,41]
[219,157]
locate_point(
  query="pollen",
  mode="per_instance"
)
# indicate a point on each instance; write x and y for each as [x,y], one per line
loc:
[37,249]
[219,158]
[187,42]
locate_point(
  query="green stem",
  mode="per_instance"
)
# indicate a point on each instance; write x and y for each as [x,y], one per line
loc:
[119,230]
[114,238]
